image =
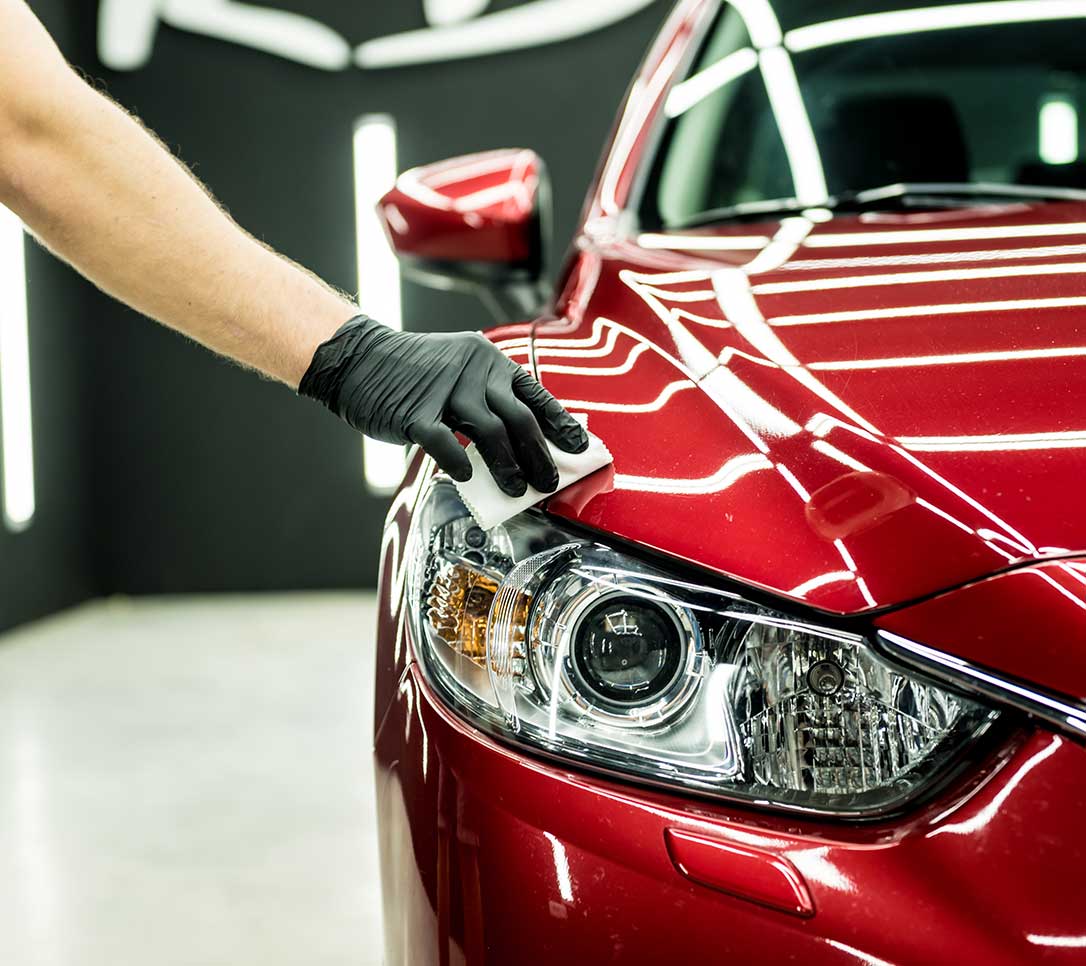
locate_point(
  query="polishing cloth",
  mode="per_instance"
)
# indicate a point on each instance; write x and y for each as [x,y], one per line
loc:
[491,507]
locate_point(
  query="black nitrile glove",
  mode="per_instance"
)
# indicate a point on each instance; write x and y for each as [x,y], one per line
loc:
[405,387]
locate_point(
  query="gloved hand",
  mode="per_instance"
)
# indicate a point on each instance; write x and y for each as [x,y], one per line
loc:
[405,387]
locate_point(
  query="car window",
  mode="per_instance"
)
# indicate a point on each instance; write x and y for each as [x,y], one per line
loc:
[851,103]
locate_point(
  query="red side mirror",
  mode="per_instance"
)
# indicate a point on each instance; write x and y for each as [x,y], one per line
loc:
[482,209]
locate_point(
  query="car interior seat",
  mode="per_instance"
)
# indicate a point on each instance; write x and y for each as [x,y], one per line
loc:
[1043,175]
[871,140]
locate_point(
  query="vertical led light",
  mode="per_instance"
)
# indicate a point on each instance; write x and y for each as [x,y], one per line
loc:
[15,420]
[378,269]
[1058,125]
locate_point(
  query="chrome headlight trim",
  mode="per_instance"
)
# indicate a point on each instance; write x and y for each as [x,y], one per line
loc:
[1059,711]
[566,619]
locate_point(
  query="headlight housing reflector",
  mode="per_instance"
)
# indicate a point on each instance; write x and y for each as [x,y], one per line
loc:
[582,652]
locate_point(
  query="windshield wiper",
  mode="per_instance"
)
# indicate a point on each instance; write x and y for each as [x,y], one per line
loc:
[892,197]
[748,211]
[972,191]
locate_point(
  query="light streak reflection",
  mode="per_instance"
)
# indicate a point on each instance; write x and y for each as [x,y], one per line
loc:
[864,240]
[925,236]
[666,395]
[858,954]
[919,311]
[828,449]
[631,359]
[761,22]
[794,124]
[822,580]
[816,866]
[997,442]
[728,475]
[696,89]
[784,245]
[706,243]
[917,278]
[934,258]
[986,814]
[1064,942]
[925,19]
[561,868]
[956,359]
[1059,588]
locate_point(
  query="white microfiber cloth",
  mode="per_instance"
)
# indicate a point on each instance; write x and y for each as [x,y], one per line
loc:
[491,507]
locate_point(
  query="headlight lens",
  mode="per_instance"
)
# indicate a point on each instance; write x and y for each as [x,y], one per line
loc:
[627,652]
[587,653]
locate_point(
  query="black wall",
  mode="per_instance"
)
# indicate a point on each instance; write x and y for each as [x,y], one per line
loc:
[197,476]
[50,565]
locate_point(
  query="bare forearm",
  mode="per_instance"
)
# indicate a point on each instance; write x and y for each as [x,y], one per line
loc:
[104,195]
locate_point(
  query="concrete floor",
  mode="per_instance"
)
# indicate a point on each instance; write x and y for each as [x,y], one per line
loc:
[187,782]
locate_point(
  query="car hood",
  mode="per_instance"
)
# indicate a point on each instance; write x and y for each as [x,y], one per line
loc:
[853,414]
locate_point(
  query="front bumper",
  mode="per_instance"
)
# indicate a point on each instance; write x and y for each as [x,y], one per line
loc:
[489,856]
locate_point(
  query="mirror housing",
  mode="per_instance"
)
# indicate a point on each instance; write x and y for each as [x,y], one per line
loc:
[478,223]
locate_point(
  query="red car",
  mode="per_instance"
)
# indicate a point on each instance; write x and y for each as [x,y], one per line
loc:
[802,677]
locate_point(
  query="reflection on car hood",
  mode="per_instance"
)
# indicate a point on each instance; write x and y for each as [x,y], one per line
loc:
[854,414]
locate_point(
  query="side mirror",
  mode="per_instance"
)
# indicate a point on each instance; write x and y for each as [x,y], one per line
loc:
[477,222]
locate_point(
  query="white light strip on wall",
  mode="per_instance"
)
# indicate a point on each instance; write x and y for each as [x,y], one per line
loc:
[127,29]
[378,270]
[18,440]
[442,13]
[1058,124]
[527,25]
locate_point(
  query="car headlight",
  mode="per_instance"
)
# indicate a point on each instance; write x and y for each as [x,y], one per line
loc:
[563,644]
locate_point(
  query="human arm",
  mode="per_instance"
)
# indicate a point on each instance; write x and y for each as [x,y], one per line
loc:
[101,192]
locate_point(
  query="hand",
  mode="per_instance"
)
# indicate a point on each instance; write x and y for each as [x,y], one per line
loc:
[405,387]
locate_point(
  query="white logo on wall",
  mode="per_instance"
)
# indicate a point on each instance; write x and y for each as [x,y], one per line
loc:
[458,29]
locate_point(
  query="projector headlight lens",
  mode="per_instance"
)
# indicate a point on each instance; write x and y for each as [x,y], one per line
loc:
[579,651]
[626,651]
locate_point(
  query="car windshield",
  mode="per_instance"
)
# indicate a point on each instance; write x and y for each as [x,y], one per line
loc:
[813,105]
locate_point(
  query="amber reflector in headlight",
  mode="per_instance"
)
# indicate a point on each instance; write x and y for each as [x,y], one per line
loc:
[458,606]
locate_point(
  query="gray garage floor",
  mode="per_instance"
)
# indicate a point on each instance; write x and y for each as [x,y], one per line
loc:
[187,782]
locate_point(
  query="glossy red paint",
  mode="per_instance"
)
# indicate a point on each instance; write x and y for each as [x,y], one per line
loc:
[480,208]
[741,871]
[490,857]
[1028,624]
[853,415]
[849,435]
